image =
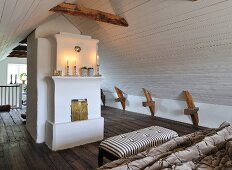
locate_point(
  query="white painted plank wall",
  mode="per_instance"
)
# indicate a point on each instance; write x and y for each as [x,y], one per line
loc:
[169,46]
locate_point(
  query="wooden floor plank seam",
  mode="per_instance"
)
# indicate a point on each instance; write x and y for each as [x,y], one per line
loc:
[19,151]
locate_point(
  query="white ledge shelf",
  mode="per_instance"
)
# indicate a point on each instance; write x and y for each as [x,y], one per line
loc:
[78,77]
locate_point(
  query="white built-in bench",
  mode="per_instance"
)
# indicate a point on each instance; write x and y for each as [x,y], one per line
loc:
[128,144]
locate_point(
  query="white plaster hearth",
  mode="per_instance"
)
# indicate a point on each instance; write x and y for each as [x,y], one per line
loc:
[61,133]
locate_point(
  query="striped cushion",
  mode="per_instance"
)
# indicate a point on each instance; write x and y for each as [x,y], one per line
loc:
[137,141]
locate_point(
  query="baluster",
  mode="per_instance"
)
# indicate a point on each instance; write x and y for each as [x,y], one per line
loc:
[16,96]
[1,95]
[9,95]
[20,95]
[5,95]
[12,97]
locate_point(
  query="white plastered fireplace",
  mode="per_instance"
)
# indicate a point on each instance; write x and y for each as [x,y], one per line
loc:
[61,132]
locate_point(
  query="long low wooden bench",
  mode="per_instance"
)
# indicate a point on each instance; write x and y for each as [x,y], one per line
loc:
[128,144]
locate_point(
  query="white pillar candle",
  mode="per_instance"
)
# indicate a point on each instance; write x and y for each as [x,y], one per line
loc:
[67,63]
[97,60]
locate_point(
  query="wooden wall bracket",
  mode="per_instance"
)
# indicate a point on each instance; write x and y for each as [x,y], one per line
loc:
[121,98]
[149,103]
[192,110]
[103,98]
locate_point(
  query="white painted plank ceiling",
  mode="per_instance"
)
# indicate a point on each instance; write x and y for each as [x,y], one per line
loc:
[18,18]
[169,46]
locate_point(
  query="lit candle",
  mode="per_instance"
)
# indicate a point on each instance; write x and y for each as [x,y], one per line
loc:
[97,60]
[67,63]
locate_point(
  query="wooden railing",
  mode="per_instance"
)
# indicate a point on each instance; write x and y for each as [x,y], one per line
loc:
[11,95]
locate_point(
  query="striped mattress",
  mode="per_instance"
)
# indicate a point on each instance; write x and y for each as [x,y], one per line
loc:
[128,144]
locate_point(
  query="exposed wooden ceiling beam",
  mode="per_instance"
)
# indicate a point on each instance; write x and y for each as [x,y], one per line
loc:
[20,48]
[79,10]
[19,54]
[23,41]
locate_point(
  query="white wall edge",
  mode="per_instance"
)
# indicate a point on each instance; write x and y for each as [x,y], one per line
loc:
[210,115]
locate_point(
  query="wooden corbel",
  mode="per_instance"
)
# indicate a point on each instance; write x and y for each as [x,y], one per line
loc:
[192,110]
[149,103]
[103,98]
[120,98]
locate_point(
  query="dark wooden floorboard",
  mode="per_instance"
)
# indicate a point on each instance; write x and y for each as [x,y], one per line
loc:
[17,157]
[2,166]
[7,162]
[19,151]
[73,159]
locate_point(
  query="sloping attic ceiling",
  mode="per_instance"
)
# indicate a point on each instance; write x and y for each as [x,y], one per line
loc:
[169,46]
[19,17]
